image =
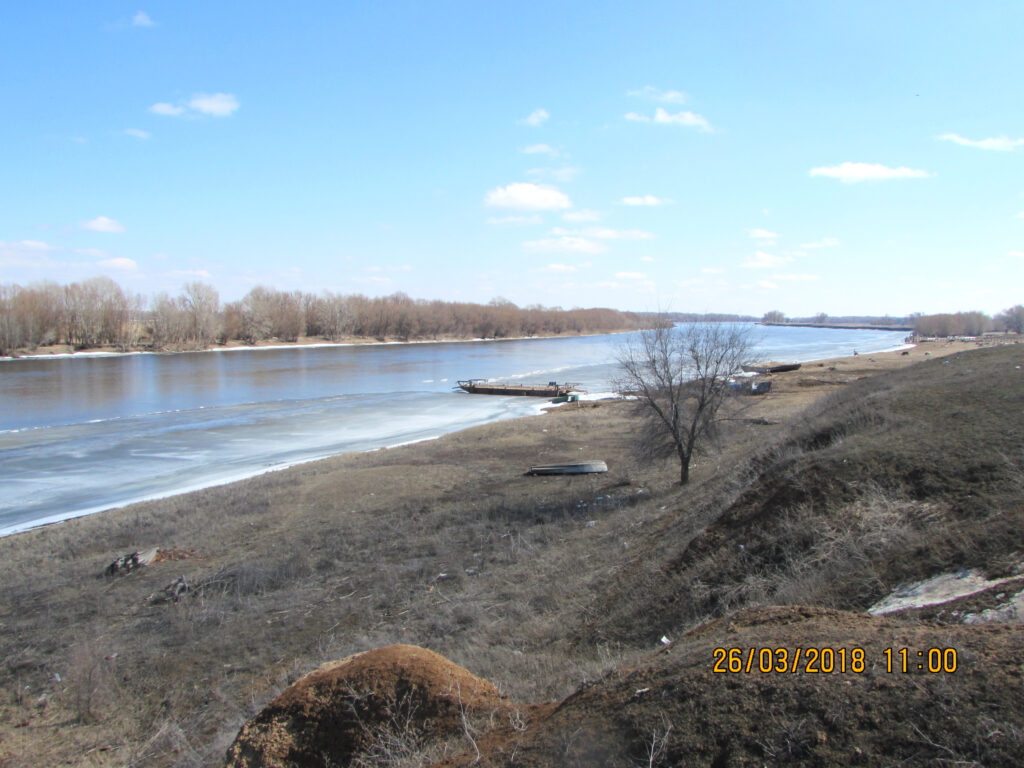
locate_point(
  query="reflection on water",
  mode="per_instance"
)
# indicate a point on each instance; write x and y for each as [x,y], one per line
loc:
[79,435]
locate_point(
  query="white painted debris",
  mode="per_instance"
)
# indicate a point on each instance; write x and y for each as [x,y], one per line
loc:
[935,591]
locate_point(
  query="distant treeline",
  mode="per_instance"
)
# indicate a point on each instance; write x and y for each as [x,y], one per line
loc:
[940,325]
[98,313]
[706,317]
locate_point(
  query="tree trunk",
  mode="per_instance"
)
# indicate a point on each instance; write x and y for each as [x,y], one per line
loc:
[684,469]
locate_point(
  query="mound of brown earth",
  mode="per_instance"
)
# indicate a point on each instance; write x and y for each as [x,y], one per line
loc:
[348,707]
[679,709]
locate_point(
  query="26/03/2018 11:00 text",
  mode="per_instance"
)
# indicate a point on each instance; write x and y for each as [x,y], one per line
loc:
[829,660]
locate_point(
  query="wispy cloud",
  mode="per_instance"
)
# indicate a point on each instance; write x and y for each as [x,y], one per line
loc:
[825,242]
[540,149]
[166,109]
[712,271]
[103,224]
[137,133]
[564,244]
[535,118]
[764,260]
[645,200]
[586,214]
[767,284]
[141,19]
[996,143]
[1017,254]
[524,196]
[851,173]
[657,94]
[763,234]
[212,104]
[630,275]
[216,104]
[664,117]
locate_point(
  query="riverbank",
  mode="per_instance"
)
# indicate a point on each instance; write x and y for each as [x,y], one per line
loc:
[536,583]
[65,351]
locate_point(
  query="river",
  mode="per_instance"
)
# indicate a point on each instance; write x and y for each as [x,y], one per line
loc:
[85,433]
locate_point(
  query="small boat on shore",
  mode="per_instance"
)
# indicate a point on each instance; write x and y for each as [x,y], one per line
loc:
[571,468]
[484,387]
[766,368]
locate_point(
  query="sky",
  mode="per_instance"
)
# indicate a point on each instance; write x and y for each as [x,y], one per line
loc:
[841,157]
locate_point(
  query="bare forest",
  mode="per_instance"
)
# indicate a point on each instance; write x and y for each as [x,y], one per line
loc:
[99,313]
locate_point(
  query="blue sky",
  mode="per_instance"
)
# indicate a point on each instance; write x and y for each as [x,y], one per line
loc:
[733,157]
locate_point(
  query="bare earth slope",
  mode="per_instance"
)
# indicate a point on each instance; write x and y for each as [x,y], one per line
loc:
[895,478]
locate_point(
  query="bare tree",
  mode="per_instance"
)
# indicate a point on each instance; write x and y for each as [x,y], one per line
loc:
[680,376]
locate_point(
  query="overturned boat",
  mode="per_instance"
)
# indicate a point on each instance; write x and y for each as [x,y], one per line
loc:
[766,368]
[485,387]
[571,468]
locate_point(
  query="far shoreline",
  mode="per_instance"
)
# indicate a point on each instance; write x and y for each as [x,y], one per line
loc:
[303,343]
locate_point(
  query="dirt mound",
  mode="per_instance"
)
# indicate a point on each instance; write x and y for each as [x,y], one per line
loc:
[678,710]
[353,706]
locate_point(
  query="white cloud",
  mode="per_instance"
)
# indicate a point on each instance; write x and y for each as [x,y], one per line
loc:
[213,104]
[851,173]
[664,117]
[524,196]
[518,221]
[648,259]
[141,19]
[713,271]
[763,234]
[825,242]
[169,110]
[657,94]
[539,149]
[138,134]
[1020,215]
[689,119]
[119,262]
[103,224]
[585,214]
[1018,254]
[767,284]
[997,143]
[564,244]
[763,260]
[536,117]
[630,276]
[646,200]
[31,245]
[216,104]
